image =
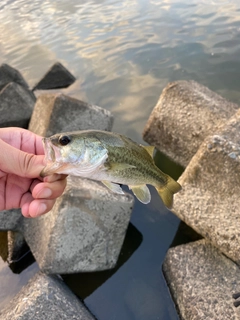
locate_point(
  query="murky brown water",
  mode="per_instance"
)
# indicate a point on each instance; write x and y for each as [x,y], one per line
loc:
[123,54]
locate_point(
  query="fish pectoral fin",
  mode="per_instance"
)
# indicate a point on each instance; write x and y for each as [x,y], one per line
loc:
[150,150]
[119,166]
[142,193]
[114,187]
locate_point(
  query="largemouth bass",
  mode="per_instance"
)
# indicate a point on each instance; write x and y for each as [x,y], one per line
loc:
[110,158]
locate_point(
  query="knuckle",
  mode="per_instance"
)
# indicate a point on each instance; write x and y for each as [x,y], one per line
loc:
[27,163]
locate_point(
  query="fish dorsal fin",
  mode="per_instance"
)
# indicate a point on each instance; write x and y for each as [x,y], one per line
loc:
[114,187]
[120,166]
[142,193]
[149,149]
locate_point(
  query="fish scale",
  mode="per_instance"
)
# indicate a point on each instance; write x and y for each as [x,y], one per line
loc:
[111,158]
[130,157]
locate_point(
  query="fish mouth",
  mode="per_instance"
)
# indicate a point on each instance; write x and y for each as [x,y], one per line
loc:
[52,155]
[48,150]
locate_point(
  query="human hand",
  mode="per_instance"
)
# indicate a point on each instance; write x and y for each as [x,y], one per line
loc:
[21,161]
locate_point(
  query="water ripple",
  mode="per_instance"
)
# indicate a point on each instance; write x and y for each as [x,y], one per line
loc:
[121,41]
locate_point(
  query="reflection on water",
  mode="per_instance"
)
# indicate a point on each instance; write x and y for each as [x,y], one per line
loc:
[123,54]
[137,291]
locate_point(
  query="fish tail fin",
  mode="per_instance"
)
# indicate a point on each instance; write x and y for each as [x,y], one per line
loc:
[166,193]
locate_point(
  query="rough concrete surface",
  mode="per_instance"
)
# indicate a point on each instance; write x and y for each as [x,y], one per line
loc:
[209,200]
[45,298]
[202,281]
[186,113]
[9,74]
[56,77]
[17,246]
[11,220]
[54,113]
[16,106]
[83,232]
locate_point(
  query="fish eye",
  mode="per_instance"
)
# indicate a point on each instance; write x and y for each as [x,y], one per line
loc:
[64,140]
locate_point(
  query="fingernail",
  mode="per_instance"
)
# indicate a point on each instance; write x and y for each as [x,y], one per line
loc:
[41,209]
[46,193]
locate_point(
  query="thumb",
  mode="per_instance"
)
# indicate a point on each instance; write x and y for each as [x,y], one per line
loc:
[21,163]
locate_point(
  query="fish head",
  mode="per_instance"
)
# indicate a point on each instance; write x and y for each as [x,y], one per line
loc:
[64,147]
[78,153]
[62,153]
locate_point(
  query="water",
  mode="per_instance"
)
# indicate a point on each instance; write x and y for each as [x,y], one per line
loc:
[123,54]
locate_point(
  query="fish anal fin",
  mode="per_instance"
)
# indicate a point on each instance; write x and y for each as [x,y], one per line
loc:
[142,193]
[114,187]
[150,150]
[166,192]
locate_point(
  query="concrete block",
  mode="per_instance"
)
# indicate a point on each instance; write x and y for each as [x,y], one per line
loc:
[16,106]
[56,77]
[54,113]
[9,74]
[209,200]
[83,232]
[184,116]
[202,281]
[45,298]
[17,246]
[11,220]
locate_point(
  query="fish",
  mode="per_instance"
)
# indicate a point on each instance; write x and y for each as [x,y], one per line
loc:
[111,158]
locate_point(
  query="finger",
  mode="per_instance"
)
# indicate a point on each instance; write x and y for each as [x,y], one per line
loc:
[25,210]
[36,208]
[23,164]
[34,183]
[22,139]
[41,197]
[54,177]
[46,190]
[27,198]
[40,207]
